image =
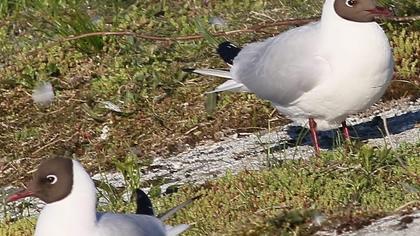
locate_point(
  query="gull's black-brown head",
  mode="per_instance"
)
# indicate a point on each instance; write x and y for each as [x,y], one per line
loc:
[53,181]
[359,10]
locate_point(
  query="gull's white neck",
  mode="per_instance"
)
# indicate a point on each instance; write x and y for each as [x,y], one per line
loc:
[335,25]
[73,215]
[342,39]
[360,62]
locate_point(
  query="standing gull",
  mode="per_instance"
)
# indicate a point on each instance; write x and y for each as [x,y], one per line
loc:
[70,197]
[321,72]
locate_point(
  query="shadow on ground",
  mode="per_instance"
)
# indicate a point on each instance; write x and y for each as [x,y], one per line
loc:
[364,131]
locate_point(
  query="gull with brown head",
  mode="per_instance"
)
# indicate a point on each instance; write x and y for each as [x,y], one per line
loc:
[70,210]
[316,74]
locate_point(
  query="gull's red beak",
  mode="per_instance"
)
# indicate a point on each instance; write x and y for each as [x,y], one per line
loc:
[19,195]
[381,11]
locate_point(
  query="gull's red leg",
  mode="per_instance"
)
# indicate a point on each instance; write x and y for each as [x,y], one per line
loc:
[314,135]
[345,130]
[346,135]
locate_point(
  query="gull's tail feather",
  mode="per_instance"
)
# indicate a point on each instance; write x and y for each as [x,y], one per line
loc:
[230,85]
[211,72]
[172,211]
[176,230]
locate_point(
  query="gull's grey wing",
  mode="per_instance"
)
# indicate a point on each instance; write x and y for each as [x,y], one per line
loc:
[110,224]
[282,68]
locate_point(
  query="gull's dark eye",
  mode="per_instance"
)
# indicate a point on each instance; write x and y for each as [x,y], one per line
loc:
[351,3]
[52,179]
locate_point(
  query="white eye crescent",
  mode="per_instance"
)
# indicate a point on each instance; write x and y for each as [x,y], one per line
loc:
[351,3]
[52,179]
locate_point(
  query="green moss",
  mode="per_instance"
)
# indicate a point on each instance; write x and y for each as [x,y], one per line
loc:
[26,134]
[406,53]
[367,183]
[22,227]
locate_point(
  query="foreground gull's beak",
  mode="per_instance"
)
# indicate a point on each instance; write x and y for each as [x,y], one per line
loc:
[381,11]
[19,195]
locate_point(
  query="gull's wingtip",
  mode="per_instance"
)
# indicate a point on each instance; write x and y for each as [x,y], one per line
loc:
[188,70]
[144,204]
[173,210]
[210,72]
[176,230]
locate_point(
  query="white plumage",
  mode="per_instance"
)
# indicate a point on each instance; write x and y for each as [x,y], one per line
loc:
[325,70]
[43,94]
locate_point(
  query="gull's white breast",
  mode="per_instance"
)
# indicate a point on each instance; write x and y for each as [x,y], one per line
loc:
[319,71]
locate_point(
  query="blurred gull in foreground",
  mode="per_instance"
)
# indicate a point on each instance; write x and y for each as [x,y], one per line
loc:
[70,210]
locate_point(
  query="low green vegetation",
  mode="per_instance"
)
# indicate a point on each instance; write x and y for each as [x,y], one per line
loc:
[291,198]
[22,227]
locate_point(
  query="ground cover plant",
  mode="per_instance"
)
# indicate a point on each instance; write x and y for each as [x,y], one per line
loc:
[163,108]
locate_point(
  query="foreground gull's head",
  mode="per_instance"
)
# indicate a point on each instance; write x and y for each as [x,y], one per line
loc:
[70,197]
[52,181]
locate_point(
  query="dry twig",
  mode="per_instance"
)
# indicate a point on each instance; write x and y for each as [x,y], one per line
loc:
[253,29]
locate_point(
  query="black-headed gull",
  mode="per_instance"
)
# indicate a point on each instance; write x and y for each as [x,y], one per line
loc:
[70,210]
[321,72]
